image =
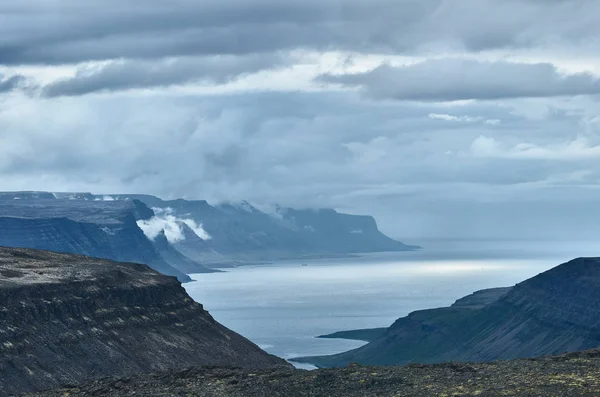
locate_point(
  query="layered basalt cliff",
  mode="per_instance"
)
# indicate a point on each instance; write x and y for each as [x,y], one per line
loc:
[212,236]
[242,232]
[94,228]
[67,319]
[557,311]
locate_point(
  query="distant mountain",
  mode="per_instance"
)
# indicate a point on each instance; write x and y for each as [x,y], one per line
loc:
[192,234]
[102,229]
[557,311]
[244,233]
[67,319]
[340,233]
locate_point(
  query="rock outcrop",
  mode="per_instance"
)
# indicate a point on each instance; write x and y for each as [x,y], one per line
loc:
[557,311]
[66,319]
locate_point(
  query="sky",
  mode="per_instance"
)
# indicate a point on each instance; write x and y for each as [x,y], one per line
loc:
[442,118]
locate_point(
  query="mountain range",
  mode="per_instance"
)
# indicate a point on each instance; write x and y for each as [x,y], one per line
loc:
[180,237]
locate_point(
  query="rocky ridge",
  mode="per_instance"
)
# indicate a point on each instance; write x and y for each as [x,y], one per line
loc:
[68,319]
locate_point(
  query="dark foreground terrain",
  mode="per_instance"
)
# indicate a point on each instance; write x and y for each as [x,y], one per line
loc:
[69,319]
[575,374]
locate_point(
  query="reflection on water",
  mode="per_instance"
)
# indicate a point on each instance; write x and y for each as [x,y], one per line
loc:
[283,306]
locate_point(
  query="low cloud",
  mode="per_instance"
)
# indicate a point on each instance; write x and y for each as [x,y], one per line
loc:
[453,79]
[463,119]
[578,149]
[164,220]
[318,149]
[11,83]
[131,74]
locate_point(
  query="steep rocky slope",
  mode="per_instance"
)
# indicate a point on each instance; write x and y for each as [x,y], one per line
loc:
[476,300]
[554,312]
[176,258]
[103,229]
[66,319]
[574,375]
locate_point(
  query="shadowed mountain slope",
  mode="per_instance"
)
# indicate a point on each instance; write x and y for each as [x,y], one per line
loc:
[102,229]
[557,311]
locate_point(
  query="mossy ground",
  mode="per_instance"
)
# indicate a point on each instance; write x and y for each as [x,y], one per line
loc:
[572,375]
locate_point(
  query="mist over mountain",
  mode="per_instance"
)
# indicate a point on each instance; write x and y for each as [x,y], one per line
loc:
[240,231]
[102,229]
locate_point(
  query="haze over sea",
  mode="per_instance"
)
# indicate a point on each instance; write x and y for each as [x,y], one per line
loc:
[282,306]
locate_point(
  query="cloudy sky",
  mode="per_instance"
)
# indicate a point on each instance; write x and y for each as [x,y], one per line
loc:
[460,118]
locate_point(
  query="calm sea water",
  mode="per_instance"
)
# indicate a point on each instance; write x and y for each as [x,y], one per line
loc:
[284,305]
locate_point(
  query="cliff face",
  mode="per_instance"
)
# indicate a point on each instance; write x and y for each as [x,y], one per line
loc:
[557,311]
[93,228]
[66,319]
[341,233]
[176,258]
[231,234]
[242,232]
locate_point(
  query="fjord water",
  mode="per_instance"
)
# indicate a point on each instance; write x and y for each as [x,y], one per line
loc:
[283,306]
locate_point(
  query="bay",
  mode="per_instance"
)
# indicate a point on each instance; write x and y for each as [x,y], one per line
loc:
[283,306]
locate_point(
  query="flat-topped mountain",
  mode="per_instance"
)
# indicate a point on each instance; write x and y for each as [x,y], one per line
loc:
[557,311]
[98,212]
[66,319]
[103,229]
[240,231]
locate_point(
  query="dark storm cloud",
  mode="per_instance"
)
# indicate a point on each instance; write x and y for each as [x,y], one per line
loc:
[459,79]
[123,75]
[37,31]
[11,83]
